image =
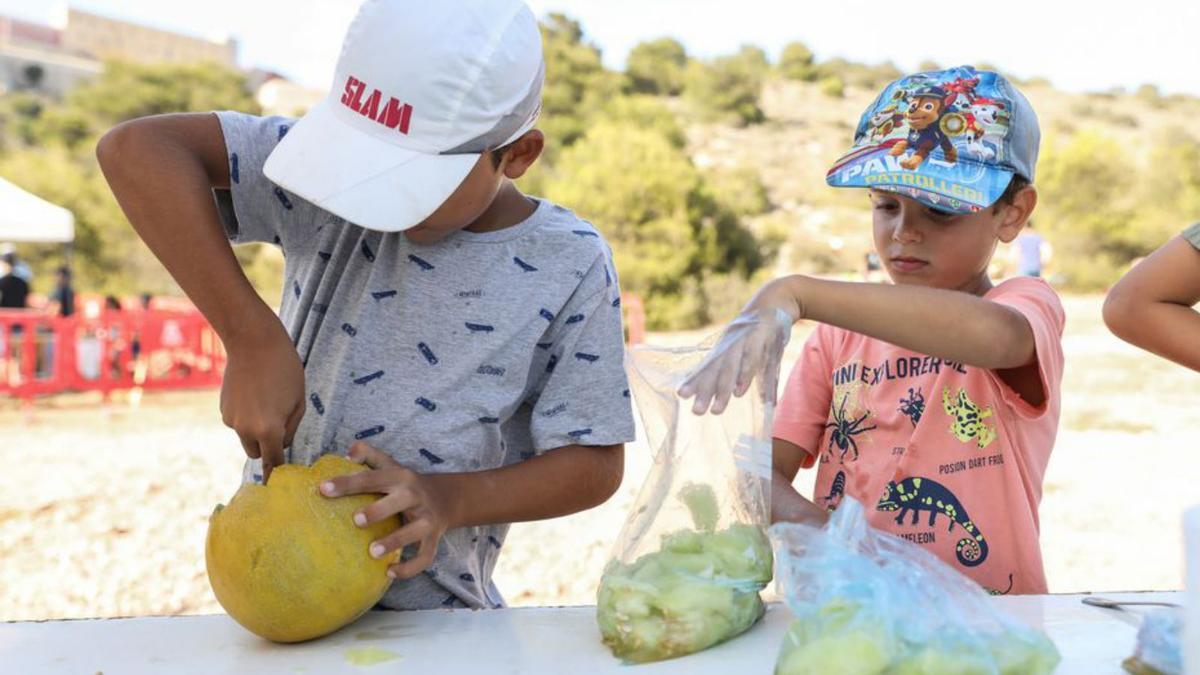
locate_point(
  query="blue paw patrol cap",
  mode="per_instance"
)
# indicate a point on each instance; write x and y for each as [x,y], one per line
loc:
[951,139]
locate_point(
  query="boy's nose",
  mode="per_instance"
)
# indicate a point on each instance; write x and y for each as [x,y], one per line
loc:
[906,231]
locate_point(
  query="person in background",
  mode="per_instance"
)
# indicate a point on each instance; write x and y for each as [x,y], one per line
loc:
[63,297]
[19,267]
[873,268]
[1031,251]
[14,291]
[1152,305]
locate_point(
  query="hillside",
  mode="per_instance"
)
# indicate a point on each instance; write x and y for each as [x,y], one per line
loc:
[806,131]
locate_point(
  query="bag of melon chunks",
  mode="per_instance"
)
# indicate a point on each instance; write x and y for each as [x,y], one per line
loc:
[870,603]
[693,554]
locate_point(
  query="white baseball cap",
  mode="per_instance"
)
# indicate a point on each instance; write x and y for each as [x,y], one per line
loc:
[422,89]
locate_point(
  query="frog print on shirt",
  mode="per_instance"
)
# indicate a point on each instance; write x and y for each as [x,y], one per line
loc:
[968,418]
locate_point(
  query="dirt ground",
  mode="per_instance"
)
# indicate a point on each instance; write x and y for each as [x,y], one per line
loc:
[103,512]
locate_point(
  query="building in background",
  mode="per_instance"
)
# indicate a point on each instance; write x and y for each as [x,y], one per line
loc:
[280,96]
[32,58]
[54,59]
[105,38]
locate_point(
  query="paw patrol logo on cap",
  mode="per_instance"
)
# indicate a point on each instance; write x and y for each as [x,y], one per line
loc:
[953,138]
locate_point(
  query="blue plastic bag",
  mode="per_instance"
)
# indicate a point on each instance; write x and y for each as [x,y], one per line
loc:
[870,603]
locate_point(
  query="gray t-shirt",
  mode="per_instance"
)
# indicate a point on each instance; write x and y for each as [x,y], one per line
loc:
[476,352]
[1192,234]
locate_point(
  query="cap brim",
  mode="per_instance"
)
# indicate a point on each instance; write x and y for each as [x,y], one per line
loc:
[373,184]
[962,186]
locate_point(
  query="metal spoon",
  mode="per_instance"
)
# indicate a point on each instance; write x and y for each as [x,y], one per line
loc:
[1114,604]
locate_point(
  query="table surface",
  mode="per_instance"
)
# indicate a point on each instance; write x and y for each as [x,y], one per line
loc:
[530,641]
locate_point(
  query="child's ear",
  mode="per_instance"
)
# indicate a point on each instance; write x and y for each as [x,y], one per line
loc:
[522,153]
[1015,215]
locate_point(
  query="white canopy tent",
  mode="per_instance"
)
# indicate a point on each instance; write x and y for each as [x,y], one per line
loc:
[28,218]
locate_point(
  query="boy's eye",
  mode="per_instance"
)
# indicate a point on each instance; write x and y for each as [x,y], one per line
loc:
[938,214]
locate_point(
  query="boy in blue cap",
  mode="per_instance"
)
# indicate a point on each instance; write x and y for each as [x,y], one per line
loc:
[933,401]
[461,339]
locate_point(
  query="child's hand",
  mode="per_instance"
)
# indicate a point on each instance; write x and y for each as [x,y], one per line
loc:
[751,344]
[425,508]
[262,396]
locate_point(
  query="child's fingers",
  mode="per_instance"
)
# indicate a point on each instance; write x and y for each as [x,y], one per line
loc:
[365,453]
[752,360]
[293,422]
[250,446]
[417,564]
[397,501]
[704,387]
[410,533]
[271,446]
[771,381]
[697,381]
[363,482]
[727,379]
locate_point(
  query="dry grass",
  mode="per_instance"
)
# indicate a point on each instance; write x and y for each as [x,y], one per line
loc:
[104,514]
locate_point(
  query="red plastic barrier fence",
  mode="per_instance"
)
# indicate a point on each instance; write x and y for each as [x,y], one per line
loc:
[635,318]
[153,350]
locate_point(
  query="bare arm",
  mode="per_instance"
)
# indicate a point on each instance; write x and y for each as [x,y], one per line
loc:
[924,320]
[788,505]
[162,170]
[560,482]
[1152,305]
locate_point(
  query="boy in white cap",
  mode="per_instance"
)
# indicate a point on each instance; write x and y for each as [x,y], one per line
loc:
[460,338]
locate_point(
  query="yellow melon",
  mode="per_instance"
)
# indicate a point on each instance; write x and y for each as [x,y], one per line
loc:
[290,564]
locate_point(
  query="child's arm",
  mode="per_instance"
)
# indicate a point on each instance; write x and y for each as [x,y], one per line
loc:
[162,170]
[1151,306]
[556,483]
[788,505]
[950,325]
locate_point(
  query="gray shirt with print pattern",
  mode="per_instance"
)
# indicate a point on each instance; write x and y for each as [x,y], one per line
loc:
[1192,234]
[476,352]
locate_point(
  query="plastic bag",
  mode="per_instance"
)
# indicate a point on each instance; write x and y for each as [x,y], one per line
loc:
[1159,649]
[694,553]
[868,602]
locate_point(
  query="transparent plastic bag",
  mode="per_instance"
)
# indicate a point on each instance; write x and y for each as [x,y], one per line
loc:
[870,603]
[1159,648]
[693,555]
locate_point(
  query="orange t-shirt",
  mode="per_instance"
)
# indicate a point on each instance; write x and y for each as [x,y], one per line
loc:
[945,455]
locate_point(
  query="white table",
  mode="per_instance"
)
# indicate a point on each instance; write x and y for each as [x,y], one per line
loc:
[531,641]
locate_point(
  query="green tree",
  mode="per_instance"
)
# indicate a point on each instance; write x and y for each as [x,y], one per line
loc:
[646,112]
[48,151]
[797,62]
[128,90]
[832,85]
[1085,186]
[634,184]
[656,67]
[668,228]
[726,90]
[576,83]
[1168,192]
[739,189]
[860,74]
[754,59]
